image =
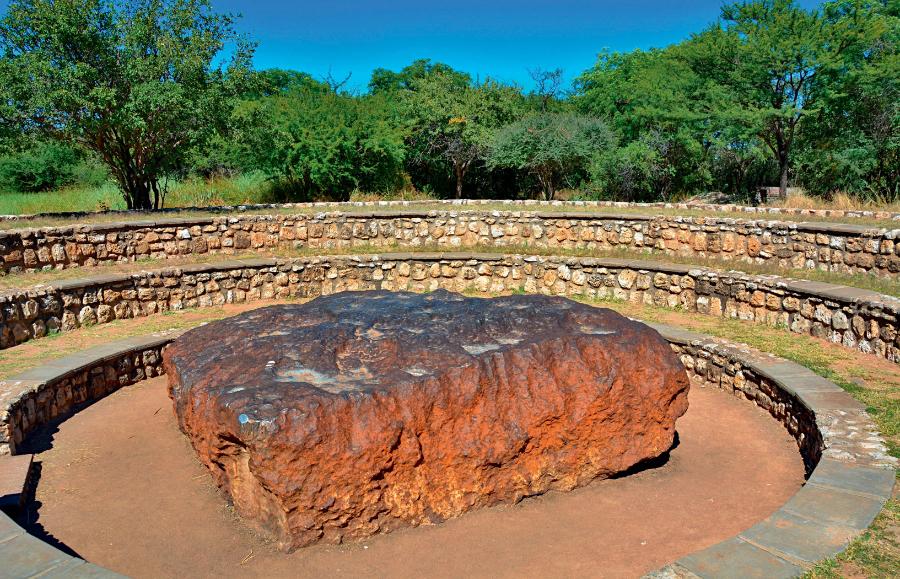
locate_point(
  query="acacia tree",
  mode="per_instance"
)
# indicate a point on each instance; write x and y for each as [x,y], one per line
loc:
[853,143]
[550,146]
[776,52]
[134,81]
[456,122]
[547,85]
[384,80]
[649,98]
[321,144]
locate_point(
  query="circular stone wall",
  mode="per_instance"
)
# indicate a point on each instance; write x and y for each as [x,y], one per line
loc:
[851,473]
[732,467]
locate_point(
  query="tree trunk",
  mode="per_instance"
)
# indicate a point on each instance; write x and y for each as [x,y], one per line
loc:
[545,178]
[783,183]
[140,195]
[460,171]
[140,190]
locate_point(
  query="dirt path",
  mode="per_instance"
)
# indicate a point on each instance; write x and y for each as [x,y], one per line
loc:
[121,487]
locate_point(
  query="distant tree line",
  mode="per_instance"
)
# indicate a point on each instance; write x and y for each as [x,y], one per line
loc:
[143,91]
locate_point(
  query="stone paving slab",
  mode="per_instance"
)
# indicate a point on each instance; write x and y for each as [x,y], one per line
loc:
[798,538]
[14,474]
[53,369]
[834,506]
[26,556]
[86,571]
[849,228]
[737,559]
[821,402]
[665,267]
[872,481]
[678,335]
[8,528]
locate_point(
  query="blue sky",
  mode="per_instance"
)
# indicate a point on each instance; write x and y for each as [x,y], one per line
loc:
[499,38]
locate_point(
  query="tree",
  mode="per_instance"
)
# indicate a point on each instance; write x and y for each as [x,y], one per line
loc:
[135,81]
[456,122]
[273,81]
[324,144]
[851,142]
[775,53]
[650,98]
[547,85]
[551,146]
[384,80]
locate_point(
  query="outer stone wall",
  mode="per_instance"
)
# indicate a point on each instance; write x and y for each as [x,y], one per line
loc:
[834,247]
[857,319]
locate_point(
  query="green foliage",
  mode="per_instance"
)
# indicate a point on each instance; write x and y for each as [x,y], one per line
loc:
[648,97]
[770,92]
[453,124]
[774,54]
[384,80]
[324,145]
[41,167]
[554,147]
[852,143]
[733,106]
[132,81]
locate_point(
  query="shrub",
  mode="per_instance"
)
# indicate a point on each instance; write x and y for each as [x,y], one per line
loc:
[41,167]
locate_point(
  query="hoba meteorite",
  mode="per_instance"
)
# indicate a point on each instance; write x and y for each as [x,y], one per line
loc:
[363,412]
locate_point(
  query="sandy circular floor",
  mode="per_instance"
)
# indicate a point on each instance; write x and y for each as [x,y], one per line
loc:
[120,487]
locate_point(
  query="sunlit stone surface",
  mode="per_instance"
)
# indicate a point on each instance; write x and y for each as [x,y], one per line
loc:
[364,412]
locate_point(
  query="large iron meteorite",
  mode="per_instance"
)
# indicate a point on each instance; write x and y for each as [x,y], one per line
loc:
[364,412]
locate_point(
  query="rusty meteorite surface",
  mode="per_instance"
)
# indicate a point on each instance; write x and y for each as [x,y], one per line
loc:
[363,412]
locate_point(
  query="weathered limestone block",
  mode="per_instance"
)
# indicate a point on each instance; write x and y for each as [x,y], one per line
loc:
[362,413]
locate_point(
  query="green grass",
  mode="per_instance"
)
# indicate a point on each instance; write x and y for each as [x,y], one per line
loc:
[254,188]
[69,199]
[194,192]
[876,553]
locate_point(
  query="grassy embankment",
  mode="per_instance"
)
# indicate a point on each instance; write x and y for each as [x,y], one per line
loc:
[255,188]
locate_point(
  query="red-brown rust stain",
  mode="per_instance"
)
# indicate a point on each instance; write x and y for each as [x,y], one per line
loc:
[365,412]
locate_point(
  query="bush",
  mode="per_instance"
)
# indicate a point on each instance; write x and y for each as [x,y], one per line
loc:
[39,168]
[316,145]
[554,147]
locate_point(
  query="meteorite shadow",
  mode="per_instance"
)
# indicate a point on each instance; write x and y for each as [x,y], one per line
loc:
[650,463]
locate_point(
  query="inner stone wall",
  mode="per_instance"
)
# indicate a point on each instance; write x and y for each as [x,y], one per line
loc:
[856,319]
[834,247]
[851,471]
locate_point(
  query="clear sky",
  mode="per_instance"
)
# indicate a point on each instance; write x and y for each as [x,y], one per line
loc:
[499,38]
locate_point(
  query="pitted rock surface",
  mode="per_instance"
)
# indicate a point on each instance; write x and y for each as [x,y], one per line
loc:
[364,412]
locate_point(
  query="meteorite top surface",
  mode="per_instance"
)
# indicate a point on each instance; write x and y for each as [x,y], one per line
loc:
[269,360]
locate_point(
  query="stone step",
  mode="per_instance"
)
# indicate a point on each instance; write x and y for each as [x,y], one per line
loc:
[14,475]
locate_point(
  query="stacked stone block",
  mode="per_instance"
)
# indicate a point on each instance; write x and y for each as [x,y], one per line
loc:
[857,319]
[831,247]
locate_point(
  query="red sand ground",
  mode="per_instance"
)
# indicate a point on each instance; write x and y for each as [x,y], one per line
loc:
[122,488]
